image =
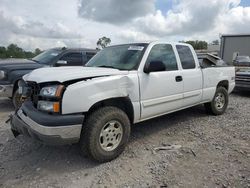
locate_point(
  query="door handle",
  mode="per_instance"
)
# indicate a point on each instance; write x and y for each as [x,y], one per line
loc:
[178,78]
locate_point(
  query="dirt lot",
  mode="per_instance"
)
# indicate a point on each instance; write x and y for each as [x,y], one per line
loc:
[214,152]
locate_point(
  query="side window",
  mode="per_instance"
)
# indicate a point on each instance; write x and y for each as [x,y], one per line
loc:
[73,59]
[165,54]
[89,55]
[186,57]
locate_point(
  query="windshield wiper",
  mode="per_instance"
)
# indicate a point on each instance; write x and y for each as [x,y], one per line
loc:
[107,66]
[33,60]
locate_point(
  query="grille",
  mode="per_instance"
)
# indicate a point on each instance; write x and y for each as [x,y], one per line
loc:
[242,79]
[34,92]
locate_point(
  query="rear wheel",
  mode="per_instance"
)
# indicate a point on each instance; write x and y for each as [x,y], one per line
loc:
[105,134]
[219,103]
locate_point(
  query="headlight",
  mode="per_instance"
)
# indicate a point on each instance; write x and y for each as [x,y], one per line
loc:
[48,106]
[52,91]
[2,74]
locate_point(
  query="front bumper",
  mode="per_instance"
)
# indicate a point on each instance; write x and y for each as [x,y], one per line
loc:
[242,81]
[243,85]
[49,129]
[6,90]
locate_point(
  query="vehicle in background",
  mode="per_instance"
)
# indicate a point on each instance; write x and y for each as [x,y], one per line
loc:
[12,70]
[241,61]
[234,43]
[122,85]
[242,68]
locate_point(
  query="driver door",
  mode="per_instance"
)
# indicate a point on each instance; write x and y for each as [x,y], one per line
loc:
[161,92]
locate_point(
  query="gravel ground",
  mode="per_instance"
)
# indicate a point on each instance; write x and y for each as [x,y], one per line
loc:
[208,151]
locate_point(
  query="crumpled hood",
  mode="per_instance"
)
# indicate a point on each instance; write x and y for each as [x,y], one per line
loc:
[63,74]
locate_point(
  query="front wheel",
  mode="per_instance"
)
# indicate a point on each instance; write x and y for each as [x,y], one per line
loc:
[16,99]
[219,103]
[105,134]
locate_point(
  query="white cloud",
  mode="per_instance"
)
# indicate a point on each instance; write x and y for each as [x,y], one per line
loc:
[135,36]
[115,11]
[189,17]
[17,24]
[236,20]
[79,23]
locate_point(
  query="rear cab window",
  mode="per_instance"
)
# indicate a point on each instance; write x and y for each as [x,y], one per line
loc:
[186,57]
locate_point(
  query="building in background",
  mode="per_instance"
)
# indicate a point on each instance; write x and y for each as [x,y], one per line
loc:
[231,45]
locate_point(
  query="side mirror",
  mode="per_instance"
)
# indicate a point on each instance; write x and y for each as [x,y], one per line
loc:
[62,62]
[154,66]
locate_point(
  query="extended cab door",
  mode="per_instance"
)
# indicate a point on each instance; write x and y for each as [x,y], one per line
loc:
[192,75]
[161,92]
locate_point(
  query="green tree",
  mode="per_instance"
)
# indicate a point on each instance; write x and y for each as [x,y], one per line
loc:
[103,42]
[29,55]
[37,51]
[198,45]
[14,51]
[2,52]
[215,42]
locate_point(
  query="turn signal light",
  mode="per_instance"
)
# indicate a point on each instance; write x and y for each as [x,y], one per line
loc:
[56,107]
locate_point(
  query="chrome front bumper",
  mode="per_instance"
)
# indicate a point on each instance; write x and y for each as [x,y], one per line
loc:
[6,90]
[57,134]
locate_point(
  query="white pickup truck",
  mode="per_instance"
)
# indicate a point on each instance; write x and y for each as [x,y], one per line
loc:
[120,86]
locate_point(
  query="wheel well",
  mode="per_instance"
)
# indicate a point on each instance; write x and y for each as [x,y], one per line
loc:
[224,84]
[124,103]
[15,86]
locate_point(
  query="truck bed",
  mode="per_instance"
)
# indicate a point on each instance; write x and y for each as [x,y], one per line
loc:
[210,60]
[214,75]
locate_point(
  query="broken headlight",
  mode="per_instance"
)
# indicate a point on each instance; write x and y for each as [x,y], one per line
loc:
[52,91]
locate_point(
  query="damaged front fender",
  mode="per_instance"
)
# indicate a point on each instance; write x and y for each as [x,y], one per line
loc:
[80,96]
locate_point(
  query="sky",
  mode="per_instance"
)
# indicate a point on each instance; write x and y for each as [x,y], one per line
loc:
[80,23]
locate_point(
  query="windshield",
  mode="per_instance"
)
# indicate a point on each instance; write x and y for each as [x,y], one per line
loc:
[122,57]
[47,56]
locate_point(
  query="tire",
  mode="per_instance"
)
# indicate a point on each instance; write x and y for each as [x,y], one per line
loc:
[219,103]
[107,124]
[16,99]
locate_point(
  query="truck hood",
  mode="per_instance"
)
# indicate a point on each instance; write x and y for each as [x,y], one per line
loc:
[12,64]
[12,61]
[242,70]
[63,74]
